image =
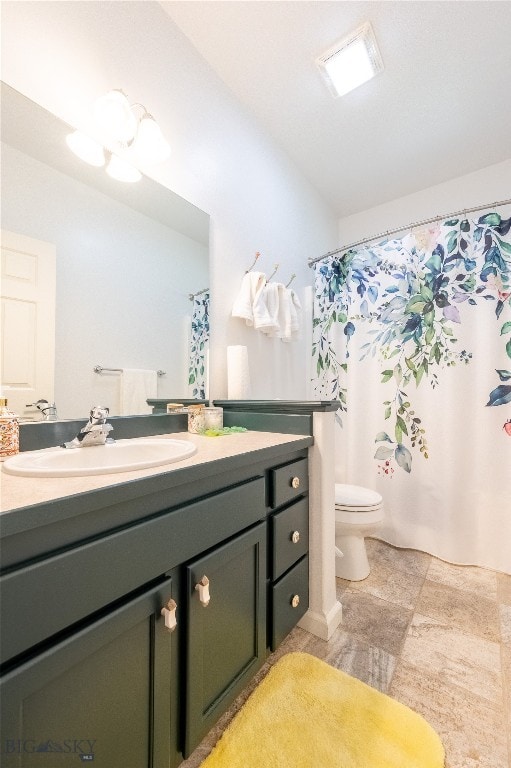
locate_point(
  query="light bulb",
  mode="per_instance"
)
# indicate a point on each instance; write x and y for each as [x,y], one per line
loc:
[149,145]
[86,148]
[121,170]
[115,117]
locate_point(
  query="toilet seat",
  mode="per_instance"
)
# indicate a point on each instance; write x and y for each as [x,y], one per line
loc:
[348,508]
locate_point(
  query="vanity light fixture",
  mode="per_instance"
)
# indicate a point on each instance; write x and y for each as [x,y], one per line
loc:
[351,61]
[86,148]
[127,131]
[114,117]
[130,126]
[121,170]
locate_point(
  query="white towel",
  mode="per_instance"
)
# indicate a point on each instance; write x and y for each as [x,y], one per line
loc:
[266,310]
[251,287]
[294,307]
[137,385]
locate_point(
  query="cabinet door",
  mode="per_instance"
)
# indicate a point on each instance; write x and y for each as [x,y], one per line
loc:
[100,695]
[226,638]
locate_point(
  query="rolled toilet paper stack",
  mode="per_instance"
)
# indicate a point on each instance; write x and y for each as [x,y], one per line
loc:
[238,374]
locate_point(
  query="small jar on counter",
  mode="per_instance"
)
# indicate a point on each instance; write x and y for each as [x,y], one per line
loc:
[9,431]
[214,418]
[176,408]
[196,419]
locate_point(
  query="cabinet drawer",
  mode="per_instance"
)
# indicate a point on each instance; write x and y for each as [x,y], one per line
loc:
[284,614]
[288,482]
[290,536]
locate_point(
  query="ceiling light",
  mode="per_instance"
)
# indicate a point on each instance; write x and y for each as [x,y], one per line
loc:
[352,61]
[86,148]
[120,169]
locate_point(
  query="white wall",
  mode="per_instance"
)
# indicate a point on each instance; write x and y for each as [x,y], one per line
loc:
[482,187]
[64,55]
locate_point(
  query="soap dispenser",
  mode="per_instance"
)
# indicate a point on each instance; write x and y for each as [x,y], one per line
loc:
[9,431]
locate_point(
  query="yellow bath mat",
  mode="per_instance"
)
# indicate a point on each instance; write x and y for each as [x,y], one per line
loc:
[306,714]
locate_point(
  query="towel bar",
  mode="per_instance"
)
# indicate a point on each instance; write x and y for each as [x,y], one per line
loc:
[100,369]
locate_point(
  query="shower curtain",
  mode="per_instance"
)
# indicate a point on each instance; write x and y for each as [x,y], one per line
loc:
[413,336]
[199,343]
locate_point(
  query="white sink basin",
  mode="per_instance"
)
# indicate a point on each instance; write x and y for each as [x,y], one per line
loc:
[121,456]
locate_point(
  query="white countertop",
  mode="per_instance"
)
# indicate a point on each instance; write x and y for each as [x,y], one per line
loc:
[18,492]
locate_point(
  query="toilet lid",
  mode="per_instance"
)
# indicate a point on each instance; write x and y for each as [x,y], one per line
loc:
[356,496]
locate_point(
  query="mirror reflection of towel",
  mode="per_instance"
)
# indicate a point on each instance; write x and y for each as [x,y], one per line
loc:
[137,385]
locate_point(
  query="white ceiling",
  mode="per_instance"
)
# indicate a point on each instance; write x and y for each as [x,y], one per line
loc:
[440,109]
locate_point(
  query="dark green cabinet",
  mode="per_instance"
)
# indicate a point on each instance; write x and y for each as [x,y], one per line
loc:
[89,671]
[100,695]
[226,637]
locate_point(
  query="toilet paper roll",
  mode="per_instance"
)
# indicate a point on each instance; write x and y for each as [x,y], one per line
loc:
[238,374]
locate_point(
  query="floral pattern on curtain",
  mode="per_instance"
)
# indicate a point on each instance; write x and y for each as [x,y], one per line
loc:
[413,336]
[410,297]
[198,345]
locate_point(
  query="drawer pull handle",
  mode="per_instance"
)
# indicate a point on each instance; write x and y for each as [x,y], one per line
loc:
[295,537]
[295,482]
[169,613]
[295,601]
[203,588]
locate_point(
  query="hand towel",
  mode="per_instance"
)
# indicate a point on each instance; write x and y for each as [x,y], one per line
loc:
[137,385]
[251,287]
[266,310]
[294,307]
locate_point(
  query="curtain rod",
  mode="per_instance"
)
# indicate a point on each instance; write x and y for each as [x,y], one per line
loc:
[407,226]
[191,296]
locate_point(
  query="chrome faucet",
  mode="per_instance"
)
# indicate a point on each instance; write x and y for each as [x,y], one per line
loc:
[49,410]
[95,432]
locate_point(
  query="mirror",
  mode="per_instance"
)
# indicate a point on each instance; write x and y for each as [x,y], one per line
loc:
[127,256]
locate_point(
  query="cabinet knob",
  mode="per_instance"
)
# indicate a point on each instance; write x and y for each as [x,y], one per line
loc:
[295,537]
[295,601]
[295,482]
[203,589]
[169,613]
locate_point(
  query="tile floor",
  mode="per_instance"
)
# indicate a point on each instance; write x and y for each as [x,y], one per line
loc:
[435,636]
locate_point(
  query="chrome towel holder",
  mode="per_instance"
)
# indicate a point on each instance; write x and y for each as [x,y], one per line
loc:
[101,369]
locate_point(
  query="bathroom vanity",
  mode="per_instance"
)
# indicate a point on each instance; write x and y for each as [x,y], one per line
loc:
[96,571]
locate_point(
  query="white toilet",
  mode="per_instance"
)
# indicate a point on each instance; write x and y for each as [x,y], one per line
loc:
[358,513]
